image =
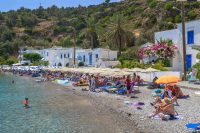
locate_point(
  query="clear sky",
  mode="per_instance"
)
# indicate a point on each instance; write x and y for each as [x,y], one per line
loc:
[6,5]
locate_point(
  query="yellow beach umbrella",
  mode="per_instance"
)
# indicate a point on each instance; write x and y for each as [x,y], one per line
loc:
[167,79]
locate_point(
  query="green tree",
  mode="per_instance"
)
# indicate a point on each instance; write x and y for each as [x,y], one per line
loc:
[32,56]
[66,42]
[192,15]
[11,18]
[6,34]
[11,60]
[91,33]
[107,1]
[152,3]
[116,33]
[169,5]
[28,20]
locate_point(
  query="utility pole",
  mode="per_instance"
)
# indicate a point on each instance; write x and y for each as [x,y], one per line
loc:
[74,36]
[183,39]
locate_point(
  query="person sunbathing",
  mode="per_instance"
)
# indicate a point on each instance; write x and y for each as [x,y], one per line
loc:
[139,80]
[166,108]
[169,93]
[158,100]
[176,91]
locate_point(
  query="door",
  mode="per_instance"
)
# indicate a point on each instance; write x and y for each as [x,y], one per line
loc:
[90,59]
[188,61]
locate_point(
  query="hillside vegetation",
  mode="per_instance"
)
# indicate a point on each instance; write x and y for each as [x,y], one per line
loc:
[89,26]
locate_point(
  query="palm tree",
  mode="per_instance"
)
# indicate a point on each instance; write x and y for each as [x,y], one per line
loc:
[91,33]
[116,33]
[74,36]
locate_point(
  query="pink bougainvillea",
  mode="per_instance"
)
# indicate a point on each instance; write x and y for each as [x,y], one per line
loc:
[162,50]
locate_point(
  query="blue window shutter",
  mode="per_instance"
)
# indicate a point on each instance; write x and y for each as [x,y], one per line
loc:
[190,37]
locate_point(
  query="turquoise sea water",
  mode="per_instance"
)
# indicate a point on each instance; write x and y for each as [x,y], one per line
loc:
[54,109]
[41,117]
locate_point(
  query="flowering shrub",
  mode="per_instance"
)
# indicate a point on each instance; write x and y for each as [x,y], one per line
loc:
[162,50]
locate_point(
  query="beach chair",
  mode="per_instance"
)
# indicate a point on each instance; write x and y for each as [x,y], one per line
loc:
[192,79]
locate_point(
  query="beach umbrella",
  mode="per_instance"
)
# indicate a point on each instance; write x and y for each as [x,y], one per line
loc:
[137,70]
[151,70]
[167,79]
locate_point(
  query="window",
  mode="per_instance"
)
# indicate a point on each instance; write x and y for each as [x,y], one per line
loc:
[47,54]
[64,55]
[190,37]
[68,55]
[83,58]
[61,56]
[97,56]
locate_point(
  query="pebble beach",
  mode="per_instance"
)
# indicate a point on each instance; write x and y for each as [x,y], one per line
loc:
[110,113]
[189,109]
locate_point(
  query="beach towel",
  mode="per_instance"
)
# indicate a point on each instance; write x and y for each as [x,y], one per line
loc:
[62,82]
[138,104]
[184,97]
[193,126]
[176,117]
[127,102]
[157,90]
[197,93]
[156,94]
[121,92]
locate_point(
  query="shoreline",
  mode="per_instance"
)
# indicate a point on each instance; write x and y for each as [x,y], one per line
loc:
[139,118]
[98,106]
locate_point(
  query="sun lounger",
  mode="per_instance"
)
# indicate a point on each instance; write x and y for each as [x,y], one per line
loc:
[121,91]
[107,89]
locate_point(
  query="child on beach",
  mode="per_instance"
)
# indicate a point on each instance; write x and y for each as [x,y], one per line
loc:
[26,102]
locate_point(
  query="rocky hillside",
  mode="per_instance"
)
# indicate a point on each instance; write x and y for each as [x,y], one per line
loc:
[59,26]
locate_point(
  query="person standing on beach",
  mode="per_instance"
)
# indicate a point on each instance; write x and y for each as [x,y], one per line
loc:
[134,77]
[128,85]
[90,82]
[93,84]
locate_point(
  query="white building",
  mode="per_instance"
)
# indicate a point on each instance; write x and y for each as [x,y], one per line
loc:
[92,57]
[61,57]
[192,32]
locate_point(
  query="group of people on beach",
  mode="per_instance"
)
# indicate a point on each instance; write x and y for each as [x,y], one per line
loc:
[164,103]
[96,82]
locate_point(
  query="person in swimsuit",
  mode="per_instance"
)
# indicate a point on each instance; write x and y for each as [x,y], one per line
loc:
[128,85]
[26,102]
